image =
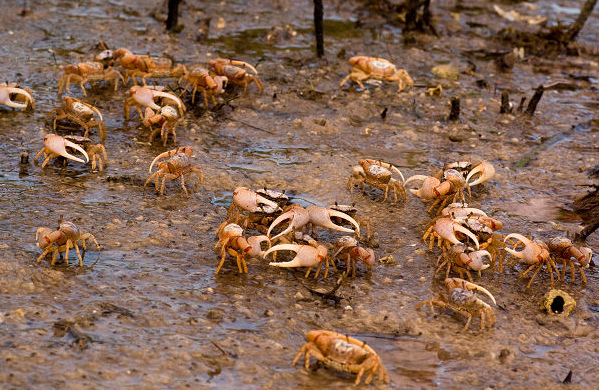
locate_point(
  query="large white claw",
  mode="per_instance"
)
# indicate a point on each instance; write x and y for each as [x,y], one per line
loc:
[486,170]
[306,255]
[298,216]
[426,190]
[57,144]
[321,216]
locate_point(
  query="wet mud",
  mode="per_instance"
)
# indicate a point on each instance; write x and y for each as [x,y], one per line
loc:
[147,310]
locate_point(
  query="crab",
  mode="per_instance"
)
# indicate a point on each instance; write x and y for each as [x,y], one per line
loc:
[459,259]
[55,145]
[198,77]
[95,152]
[534,253]
[145,96]
[234,74]
[446,231]
[22,96]
[343,353]
[306,256]
[90,71]
[61,240]
[377,68]
[377,174]
[231,241]
[177,165]
[461,299]
[440,192]
[145,66]
[80,113]
[577,257]
[347,248]
[166,118]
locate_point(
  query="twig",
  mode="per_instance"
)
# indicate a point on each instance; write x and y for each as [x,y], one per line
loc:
[173,14]
[454,114]
[318,27]
[585,12]
[532,105]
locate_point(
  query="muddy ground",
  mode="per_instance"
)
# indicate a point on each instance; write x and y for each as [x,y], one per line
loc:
[147,310]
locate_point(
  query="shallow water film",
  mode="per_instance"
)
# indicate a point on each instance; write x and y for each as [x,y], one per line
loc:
[146,309]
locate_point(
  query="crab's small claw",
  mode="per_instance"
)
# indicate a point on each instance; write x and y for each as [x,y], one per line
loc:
[486,170]
[298,217]
[321,216]
[58,145]
[464,284]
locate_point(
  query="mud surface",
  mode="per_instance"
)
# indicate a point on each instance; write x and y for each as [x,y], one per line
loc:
[147,311]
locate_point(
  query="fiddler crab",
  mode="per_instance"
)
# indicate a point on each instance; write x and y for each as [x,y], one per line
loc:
[90,71]
[14,97]
[342,353]
[576,257]
[535,253]
[232,241]
[145,66]
[145,96]
[459,259]
[379,69]
[347,248]
[167,118]
[55,145]
[234,74]
[450,183]
[178,165]
[61,240]
[462,299]
[81,113]
[448,231]
[377,174]
[200,78]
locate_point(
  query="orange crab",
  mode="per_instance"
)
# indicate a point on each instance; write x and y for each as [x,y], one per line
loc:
[364,67]
[88,71]
[236,75]
[178,165]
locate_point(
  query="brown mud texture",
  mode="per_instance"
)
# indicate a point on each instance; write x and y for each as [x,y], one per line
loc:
[148,311]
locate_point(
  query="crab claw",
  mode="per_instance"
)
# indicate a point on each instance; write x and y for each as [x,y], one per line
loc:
[321,216]
[475,260]
[532,253]
[463,284]
[5,97]
[251,201]
[427,188]
[255,247]
[298,216]
[58,145]
[171,97]
[306,255]
[221,83]
[144,96]
[241,63]
[446,228]
[486,170]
